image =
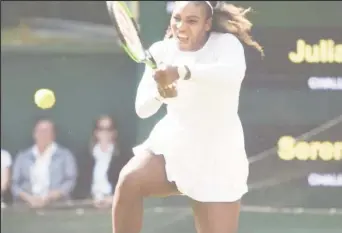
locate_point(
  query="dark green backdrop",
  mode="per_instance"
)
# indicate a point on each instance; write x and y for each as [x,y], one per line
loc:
[86,85]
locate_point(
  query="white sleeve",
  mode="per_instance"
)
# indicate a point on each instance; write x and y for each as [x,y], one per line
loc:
[229,67]
[148,100]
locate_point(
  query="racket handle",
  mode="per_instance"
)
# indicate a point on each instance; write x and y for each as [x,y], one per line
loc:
[170,90]
[150,60]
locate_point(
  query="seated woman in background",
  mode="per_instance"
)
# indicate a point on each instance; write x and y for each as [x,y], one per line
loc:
[104,151]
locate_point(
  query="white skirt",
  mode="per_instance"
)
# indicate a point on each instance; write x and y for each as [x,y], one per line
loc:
[207,165]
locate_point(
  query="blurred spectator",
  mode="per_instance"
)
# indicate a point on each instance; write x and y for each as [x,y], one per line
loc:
[46,172]
[6,162]
[104,151]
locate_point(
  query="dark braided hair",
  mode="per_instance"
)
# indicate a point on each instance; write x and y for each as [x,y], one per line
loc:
[228,18]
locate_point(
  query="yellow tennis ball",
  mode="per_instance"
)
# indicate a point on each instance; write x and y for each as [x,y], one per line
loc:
[44,98]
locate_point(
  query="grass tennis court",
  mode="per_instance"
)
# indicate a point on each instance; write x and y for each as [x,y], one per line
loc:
[167,218]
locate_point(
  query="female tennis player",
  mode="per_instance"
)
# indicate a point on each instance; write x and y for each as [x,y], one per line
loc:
[198,148]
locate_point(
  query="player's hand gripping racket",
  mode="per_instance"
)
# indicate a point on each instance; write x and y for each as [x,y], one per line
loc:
[130,39]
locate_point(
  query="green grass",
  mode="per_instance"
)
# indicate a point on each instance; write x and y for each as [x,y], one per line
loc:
[168,220]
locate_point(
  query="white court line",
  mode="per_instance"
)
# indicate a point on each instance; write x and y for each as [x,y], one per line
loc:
[274,181]
[289,210]
[306,135]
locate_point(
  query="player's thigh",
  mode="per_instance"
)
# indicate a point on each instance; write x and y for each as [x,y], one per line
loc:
[146,171]
[216,217]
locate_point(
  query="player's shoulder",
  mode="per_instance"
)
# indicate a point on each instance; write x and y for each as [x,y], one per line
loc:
[226,40]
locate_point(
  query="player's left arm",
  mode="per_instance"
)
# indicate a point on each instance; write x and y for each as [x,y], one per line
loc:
[230,66]
[148,101]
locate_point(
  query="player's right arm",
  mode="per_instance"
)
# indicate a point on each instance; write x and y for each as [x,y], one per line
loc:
[148,101]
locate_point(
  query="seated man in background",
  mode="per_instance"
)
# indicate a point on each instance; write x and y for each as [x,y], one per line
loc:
[46,172]
[6,162]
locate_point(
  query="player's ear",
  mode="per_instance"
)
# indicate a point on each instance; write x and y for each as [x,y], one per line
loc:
[208,24]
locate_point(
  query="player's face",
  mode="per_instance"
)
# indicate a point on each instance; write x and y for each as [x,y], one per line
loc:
[190,25]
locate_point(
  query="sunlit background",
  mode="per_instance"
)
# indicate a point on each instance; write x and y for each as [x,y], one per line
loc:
[291,110]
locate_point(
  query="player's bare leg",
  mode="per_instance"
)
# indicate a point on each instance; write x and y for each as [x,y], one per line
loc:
[216,217]
[144,175]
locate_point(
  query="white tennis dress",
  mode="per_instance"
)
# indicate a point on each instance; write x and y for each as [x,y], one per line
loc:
[201,136]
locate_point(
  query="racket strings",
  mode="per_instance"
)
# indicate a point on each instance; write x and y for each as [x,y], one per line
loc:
[128,31]
[128,34]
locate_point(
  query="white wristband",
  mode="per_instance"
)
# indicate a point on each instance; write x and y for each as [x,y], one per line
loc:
[182,72]
[158,98]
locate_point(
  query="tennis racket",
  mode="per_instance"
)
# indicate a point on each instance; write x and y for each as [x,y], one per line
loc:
[128,33]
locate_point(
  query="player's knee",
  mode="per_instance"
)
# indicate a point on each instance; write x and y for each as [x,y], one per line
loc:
[129,180]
